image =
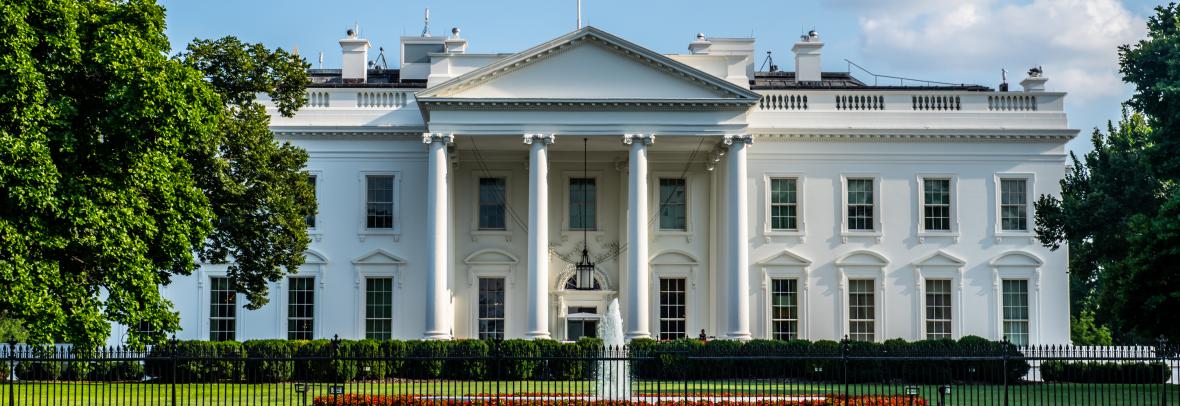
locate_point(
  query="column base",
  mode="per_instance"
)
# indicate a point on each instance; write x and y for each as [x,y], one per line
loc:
[631,335]
[437,335]
[740,336]
[537,335]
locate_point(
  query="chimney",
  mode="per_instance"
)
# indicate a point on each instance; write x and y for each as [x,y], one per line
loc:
[700,46]
[807,64]
[455,44]
[353,68]
[1035,82]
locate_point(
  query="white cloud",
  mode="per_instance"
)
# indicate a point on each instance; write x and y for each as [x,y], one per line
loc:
[1075,40]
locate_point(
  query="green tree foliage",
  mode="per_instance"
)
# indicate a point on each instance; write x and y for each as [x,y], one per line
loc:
[118,163]
[1119,208]
[1083,330]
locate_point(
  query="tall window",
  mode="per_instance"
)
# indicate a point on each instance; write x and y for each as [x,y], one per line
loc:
[491,203]
[310,219]
[672,308]
[862,317]
[783,205]
[936,204]
[673,204]
[491,308]
[1013,205]
[379,201]
[223,310]
[938,309]
[583,204]
[860,204]
[1015,293]
[580,325]
[379,308]
[300,308]
[784,309]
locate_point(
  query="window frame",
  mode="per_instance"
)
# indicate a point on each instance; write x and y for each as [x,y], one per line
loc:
[878,221]
[366,317]
[237,307]
[800,206]
[1028,310]
[479,203]
[920,214]
[362,180]
[798,320]
[1029,190]
[658,203]
[477,330]
[509,225]
[318,175]
[567,200]
[950,306]
[875,297]
[659,331]
[287,305]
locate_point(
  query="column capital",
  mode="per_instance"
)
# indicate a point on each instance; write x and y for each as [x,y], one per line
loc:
[730,139]
[428,138]
[646,139]
[545,139]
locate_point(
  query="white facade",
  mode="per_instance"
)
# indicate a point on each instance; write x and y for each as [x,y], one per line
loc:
[449,118]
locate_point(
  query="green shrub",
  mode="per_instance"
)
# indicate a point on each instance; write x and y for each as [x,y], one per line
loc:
[270,360]
[371,361]
[516,359]
[196,361]
[425,361]
[1154,372]
[114,371]
[469,360]
[395,351]
[38,370]
[326,361]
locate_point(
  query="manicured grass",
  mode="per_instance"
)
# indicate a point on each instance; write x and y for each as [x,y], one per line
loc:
[75,393]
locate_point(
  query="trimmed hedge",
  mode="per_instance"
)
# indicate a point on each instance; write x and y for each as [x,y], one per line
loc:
[1154,372]
[346,360]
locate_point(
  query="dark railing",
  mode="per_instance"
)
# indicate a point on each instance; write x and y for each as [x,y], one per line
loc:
[503,373]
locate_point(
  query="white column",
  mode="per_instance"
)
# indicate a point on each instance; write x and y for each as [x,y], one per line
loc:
[638,285]
[538,289]
[738,238]
[436,237]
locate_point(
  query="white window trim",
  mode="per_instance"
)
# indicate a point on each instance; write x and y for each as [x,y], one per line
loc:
[800,275]
[314,232]
[205,302]
[363,273]
[686,271]
[566,176]
[317,303]
[363,230]
[921,213]
[878,222]
[475,273]
[1033,275]
[509,226]
[864,273]
[1030,188]
[800,218]
[938,272]
[654,203]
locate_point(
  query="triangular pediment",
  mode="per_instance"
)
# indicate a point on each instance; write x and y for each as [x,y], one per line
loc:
[588,64]
[785,258]
[378,257]
[940,258]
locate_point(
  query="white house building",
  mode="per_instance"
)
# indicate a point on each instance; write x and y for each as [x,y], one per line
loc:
[453,200]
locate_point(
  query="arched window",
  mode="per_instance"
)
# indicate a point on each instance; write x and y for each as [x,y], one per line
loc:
[572,283]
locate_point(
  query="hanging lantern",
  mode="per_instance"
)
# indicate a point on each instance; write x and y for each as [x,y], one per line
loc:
[584,269]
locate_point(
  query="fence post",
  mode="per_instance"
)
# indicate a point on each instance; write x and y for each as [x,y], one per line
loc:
[172,353]
[11,371]
[844,360]
[334,367]
[1004,369]
[1161,352]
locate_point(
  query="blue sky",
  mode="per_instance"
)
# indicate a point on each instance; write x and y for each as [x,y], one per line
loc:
[964,41]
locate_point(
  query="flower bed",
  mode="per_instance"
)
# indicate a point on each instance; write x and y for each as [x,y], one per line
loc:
[566,400]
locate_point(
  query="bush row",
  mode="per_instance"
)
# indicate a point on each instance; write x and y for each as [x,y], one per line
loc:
[345,360]
[79,370]
[577,400]
[824,360]
[1105,372]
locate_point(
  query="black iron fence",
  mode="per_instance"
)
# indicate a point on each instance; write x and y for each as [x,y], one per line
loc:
[470,372]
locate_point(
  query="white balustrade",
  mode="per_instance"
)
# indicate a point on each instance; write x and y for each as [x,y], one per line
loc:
[321,98]
[918,101]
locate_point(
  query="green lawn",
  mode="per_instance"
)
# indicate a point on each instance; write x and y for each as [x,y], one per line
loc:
[74,393]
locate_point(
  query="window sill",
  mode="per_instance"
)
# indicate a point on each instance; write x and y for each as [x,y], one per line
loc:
[366,232]
[505,234]
[687,235]
[315,235]
[767,235]
[1001,235]
[846,234]
[953,235]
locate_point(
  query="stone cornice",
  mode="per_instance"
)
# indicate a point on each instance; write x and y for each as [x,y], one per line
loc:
[587,104]
[1062,135]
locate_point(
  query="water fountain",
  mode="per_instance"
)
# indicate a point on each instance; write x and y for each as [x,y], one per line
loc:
[614,376]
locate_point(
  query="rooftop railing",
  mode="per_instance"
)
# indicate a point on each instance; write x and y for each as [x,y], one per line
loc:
[927,101]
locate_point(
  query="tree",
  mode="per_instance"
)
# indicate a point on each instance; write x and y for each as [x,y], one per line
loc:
[118,163]
[1119,209]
